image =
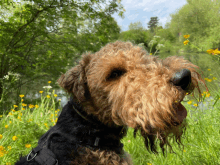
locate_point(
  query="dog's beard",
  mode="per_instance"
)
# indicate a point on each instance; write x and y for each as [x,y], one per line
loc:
[174,133]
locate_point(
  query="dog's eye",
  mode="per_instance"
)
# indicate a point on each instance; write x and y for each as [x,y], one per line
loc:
[115,74]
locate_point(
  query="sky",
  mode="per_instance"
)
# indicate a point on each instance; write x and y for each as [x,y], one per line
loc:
[143,10]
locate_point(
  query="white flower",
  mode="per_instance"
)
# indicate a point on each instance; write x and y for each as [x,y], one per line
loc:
[6,77]
[47,87]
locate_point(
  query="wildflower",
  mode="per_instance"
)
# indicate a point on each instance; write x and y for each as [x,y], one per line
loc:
[48,96]
[27,145]
[55,95]
[195,105]
[23,104]
[49,82]
[59,100]
[22,100]
[47,87]
[186,42]
[186,36]
[207,95]
[209,69]
[41,91]
[10,113]
[31,106]
[184,150]
[189,102]
[216,51]
[1,136]
[14,138]
[210,51]
[36,106]
[214,78]
[23,109]
[19,117]
[9,147]
[10,122]
[15,106]
[21,96]
[6,126]
[150,53]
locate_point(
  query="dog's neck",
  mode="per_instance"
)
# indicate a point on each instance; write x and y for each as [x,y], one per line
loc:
[88,130]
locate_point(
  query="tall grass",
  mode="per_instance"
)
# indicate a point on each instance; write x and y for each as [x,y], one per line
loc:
[21,128]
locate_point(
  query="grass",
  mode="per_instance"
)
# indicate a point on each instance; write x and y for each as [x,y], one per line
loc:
[22,127]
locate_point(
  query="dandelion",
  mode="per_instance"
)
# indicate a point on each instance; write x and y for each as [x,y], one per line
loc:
[189,102]
[41,91]
[1,136]
[27,145]
[184,150]
[186,36]
[55,95]
[14,138]
[48,96]
[23,109]
[36,106]
[21,96]
[186,42]
[195,105]
[6,126]
[49,82]
[10,113]
[209,69]
[207,95]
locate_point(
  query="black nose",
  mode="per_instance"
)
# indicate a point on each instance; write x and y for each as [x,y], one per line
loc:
[182,78]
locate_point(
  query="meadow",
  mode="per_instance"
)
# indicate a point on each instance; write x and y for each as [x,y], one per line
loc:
[21,128]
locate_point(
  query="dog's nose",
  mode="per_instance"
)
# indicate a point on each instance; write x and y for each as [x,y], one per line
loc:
[182,78]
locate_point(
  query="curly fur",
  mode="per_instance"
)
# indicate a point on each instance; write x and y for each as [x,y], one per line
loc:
[123,86]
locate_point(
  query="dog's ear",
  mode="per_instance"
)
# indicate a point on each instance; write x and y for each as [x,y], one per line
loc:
[74,81]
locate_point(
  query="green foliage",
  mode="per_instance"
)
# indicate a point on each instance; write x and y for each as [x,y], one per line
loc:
[152,24]
[42,38]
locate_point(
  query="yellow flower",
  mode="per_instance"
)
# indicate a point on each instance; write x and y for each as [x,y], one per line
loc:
[14,138]
[21,96]
[36,106]
[59,100]
[6,126]
[2,148]
[22,100]
[195,105]
[10,122]
[27,145]
[214,78]
[15,106]
[186,36]
[10,113]
[186,42]
[1,136]
[49,82]
[23,104]
[207,95]
[184,150]
[23,108]
[150,53]
[31,106]
[19,117]
[209,69]
[210,51]
[9,147]
[216,51]
[55,95]
[13,110]
[48,96]
[209,80]
[189,102]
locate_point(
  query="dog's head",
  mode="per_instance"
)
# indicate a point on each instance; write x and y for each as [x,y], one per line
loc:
[122,85]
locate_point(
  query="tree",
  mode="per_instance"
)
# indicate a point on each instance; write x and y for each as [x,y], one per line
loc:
[152,24]
[41,38]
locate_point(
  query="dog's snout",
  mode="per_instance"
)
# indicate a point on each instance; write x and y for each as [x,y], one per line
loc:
[182,78]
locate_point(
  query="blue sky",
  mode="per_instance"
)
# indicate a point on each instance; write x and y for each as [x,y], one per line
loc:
[142,10]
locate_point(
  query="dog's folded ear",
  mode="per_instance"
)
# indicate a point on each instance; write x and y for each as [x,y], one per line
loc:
[74,81]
